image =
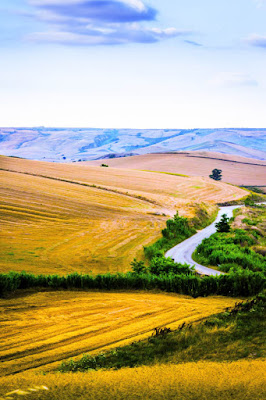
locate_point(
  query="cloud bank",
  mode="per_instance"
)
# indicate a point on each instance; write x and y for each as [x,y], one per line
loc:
[98,22]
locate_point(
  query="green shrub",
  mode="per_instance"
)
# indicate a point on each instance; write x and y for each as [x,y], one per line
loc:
[225,249]
[177,230]
[160,265]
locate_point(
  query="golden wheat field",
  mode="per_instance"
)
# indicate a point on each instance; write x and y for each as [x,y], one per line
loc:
[60,218]
[241,380]
[40,329]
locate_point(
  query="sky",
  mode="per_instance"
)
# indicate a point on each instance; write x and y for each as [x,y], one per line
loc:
[133,63]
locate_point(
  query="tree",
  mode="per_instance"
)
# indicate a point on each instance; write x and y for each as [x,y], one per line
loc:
[223,225]
[216,174]
[138,267]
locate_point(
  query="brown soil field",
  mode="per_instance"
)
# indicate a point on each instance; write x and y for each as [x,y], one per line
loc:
[40,329]
[236,170]
[60,218]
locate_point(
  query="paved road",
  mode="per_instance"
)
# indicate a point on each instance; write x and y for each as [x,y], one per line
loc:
[182,253]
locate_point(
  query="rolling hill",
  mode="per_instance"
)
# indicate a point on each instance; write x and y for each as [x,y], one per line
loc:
[61,218]
[236,170]
[73,217]
[75,144]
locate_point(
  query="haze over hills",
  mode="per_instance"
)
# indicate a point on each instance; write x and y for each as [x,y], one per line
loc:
[82,144]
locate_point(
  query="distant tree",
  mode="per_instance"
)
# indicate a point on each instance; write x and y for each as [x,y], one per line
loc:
[216,174]
[223,225]
[104,165]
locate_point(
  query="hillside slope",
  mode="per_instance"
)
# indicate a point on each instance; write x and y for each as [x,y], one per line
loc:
[49,327]
[59,218]
[236,170]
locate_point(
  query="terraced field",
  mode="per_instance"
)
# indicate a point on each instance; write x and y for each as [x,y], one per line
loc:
[40,329]
[59,218]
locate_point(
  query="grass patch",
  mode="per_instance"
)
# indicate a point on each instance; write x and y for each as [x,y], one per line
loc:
[166,173]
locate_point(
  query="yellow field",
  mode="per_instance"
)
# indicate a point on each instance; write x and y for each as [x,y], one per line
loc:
[60,218]
[39,329]
[56,227]
[242,380]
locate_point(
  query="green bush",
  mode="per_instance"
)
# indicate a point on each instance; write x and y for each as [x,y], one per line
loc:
[177,230]
[225,249]
[162,265]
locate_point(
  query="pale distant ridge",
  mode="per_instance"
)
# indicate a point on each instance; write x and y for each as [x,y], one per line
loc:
[76,144]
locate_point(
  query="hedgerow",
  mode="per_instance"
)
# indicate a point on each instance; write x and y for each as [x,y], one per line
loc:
[238,283]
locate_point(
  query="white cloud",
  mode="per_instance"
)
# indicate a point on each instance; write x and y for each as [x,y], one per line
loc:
[104,36]
[233,79]
[139,5]
[87,22]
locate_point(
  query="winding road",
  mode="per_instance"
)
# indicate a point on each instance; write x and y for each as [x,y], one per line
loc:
[182,253]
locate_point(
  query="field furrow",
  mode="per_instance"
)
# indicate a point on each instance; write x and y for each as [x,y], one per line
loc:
[44,328]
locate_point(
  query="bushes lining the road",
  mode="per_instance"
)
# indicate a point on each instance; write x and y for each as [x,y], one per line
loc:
[180,228]
[231,249]
[160,265]
[239,283]
[177,230]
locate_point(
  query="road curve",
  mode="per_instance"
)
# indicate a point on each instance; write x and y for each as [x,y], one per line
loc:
[182,253]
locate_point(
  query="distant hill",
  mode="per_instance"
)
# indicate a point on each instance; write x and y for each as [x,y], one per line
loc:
[59,144]
[235,169]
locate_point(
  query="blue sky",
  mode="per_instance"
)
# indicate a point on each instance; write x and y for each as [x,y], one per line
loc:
[133,63]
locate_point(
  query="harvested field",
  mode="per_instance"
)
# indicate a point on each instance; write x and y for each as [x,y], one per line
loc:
[236,170]
[40,329]
[164,190]
[55,227]
[59,218]
[192,381]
